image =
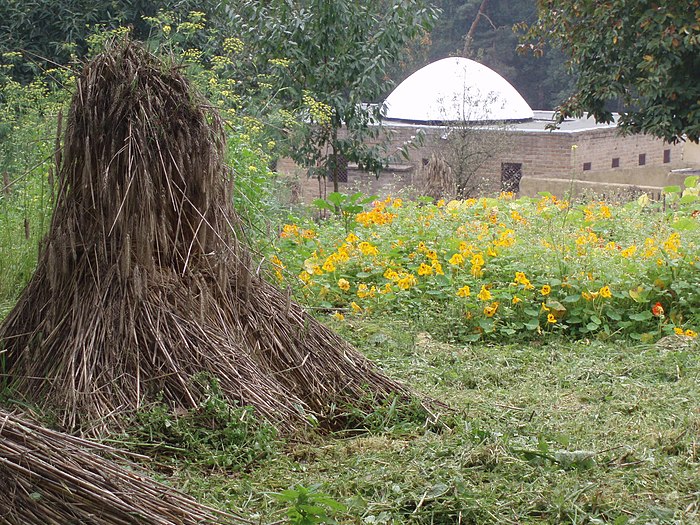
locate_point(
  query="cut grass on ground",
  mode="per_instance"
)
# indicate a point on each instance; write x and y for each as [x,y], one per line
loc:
[583,432]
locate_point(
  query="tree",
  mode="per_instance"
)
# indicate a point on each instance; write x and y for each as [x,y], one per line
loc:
[334,58]
[465,148]
[55,31]
[467,51]
[646,54]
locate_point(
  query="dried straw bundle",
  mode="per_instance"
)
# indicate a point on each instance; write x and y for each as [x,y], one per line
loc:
[142,283]
[51,478]
[437,180]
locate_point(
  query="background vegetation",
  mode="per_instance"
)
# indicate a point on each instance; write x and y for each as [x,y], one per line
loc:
[560,334]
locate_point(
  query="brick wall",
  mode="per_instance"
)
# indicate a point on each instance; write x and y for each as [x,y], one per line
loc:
[550,160]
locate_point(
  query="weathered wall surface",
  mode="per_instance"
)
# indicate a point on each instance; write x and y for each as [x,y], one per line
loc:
[599,161]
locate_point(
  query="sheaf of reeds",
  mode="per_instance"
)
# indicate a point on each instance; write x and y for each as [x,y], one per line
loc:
[52,478]
[142,281]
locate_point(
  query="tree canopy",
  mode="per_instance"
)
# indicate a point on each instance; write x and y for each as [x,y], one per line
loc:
[57,30]
[332,59]
[646,54]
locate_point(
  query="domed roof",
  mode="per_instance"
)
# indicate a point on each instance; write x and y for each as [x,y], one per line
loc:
[456,89]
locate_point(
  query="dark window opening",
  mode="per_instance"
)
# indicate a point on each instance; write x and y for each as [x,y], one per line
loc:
[586,166]
[642,159]
[667,156]
[616,162]
[338,167]
[511,173]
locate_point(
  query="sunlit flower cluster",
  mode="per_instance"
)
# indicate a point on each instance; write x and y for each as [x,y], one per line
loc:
[501,266]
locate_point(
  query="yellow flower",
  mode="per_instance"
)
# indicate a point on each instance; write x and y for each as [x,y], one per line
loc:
[362,291]
[629,252]
[431,254]
[424,269]
[342,255]
[484,294]
[339,316]
[516,299]
[477,260]
[678,331]
[406,281]
[355,307]
[551,319]
[343,284]
[490,311]
[691,333]
[521,279]
[466,249]
[546,289]
[289,230]
[464,291]
[673,243]
[440,203]
[605,292]
[391,274]
[438,267]
[545,307]
[367,249]
[351,238]
[328,266]
[457,259]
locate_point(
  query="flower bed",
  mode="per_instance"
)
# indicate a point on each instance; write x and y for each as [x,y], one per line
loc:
[496,267]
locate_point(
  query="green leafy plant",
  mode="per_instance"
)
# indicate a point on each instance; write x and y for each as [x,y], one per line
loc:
[346,207]
[491,268]
[308,506]
[213,435]
[651,48]
[334,58]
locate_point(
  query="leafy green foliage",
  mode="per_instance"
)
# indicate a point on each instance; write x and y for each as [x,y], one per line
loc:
[344,206]
[643,53]
[308,505]
[56,31]
[332,59]
[489,268]
[28,117]
[213,435]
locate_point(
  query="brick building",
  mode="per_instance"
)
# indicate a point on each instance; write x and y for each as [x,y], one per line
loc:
[455,95]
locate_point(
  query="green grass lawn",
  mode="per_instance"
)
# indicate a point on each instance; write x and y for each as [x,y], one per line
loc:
[560,432]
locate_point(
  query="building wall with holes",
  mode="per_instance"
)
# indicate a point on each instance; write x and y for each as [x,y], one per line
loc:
[600,161]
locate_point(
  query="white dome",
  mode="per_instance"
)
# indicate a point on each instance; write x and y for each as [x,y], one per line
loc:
[456,90]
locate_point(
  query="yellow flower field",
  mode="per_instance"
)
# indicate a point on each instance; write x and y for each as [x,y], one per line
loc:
[540,265]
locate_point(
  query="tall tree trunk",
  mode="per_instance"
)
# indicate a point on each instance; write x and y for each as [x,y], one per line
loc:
[334,164]
[467,52]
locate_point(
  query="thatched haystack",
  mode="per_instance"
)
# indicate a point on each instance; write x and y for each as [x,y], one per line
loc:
[51,478]
[142,283]
[437,180]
